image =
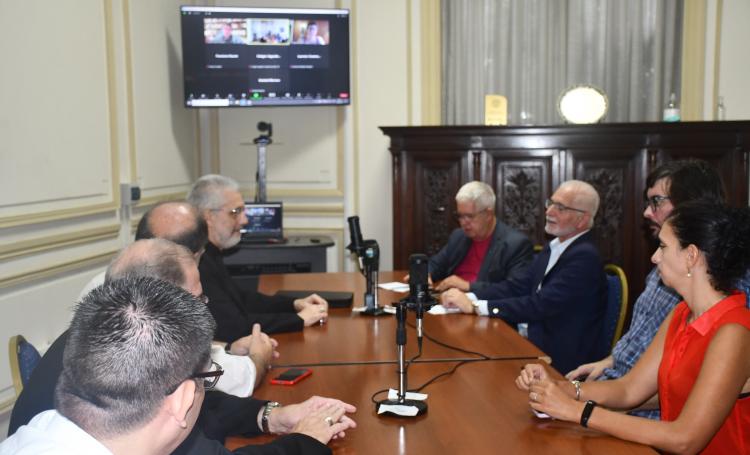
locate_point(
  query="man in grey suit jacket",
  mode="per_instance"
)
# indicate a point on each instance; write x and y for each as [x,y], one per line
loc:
[483,250]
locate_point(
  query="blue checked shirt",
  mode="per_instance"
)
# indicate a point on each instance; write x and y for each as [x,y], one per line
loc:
[652,306]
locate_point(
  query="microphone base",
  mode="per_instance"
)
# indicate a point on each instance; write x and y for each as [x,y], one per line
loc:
[420,405]
[374,311]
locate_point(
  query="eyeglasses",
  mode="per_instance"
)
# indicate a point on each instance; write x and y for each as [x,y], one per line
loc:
[467,216]
[560,207]
[210,377]
[233,212]
[655,201]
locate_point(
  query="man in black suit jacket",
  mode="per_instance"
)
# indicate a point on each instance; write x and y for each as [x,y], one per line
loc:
[562,296]
[219,201]
[483,250]
[221,415]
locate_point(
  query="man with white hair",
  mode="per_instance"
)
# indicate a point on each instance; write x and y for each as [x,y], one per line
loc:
[482,250]
[220,202]
[562,296]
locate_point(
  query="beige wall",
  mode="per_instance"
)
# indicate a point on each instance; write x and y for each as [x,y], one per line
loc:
[734,60]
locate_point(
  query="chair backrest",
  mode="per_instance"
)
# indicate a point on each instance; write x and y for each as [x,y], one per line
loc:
[617,304]
[23,359]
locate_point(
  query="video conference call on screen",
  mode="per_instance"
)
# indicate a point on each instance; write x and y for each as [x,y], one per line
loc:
[242,57]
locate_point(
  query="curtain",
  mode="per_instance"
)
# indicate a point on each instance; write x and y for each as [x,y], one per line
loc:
[532,50]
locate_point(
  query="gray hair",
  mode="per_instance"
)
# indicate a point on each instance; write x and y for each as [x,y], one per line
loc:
[156,258]
[586,197]
[132,342]
[207,192]
[479,193]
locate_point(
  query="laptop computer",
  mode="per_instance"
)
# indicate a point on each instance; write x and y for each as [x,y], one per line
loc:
[264,223]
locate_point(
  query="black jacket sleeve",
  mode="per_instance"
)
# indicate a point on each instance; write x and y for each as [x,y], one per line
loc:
[443,262]
[508,258]
[292,444]
[236,311]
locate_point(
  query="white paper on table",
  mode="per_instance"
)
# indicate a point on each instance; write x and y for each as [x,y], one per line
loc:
[395,286]
[440,309]
[406,411]
[540,414]
[388,309]
[393,395]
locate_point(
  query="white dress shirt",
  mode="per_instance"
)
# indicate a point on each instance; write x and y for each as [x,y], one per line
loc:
[50,432]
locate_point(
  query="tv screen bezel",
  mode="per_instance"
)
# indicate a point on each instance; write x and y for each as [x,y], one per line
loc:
[309,99]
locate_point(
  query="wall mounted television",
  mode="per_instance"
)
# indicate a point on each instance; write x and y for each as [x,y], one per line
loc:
[248,57]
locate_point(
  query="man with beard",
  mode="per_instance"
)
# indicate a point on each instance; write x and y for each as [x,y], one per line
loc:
[562,295]
[220,202]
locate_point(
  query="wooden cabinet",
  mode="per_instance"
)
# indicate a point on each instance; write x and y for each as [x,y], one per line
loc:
[525,164]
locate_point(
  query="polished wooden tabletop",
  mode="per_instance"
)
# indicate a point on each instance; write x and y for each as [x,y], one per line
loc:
[477,409]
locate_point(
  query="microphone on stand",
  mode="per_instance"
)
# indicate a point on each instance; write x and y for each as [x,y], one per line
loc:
[420,299]
[368,257]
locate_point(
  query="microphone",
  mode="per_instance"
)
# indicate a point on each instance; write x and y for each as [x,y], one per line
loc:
[419,298]
[368,258]
[355,234]
[419,290]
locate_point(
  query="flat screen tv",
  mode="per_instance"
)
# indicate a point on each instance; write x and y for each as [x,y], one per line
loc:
[246,57]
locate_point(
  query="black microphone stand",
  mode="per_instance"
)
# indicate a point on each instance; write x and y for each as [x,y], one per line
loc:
[368,257]
[419,301]
[371,262]
[401,308]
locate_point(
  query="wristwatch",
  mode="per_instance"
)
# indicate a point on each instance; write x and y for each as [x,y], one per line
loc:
[267,412]
[475,306]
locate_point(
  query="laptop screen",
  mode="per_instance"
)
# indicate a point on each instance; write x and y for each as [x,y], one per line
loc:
[264,220]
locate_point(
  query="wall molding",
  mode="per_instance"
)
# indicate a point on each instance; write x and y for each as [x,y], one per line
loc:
[313,209]
[53,242]
[58,269]
[113,203]
[153,200]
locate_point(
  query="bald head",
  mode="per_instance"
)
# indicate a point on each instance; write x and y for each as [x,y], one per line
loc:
[584,195]
[178,222]
[156,258]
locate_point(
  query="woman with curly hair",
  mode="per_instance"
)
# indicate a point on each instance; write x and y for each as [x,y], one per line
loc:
[699,361]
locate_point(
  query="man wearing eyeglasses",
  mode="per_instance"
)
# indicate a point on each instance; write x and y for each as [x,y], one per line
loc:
[220,202]
[133,374]
[562,296]
[483,249]
[668,186]
[222,415]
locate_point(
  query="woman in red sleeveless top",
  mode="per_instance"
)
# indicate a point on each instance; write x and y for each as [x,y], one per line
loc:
[699,361]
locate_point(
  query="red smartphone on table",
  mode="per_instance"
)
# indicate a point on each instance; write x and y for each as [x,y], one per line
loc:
[291,376]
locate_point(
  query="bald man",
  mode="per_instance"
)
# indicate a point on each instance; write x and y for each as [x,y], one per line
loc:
[563,294]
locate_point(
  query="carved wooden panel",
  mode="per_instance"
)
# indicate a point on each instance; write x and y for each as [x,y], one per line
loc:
[438,210]
[521,187]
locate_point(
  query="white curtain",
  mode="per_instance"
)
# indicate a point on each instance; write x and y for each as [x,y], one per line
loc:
[531,50]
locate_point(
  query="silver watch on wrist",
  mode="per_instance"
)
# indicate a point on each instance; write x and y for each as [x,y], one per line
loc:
[267,412]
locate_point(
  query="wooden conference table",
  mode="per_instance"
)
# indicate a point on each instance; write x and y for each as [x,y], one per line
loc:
[477,409]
